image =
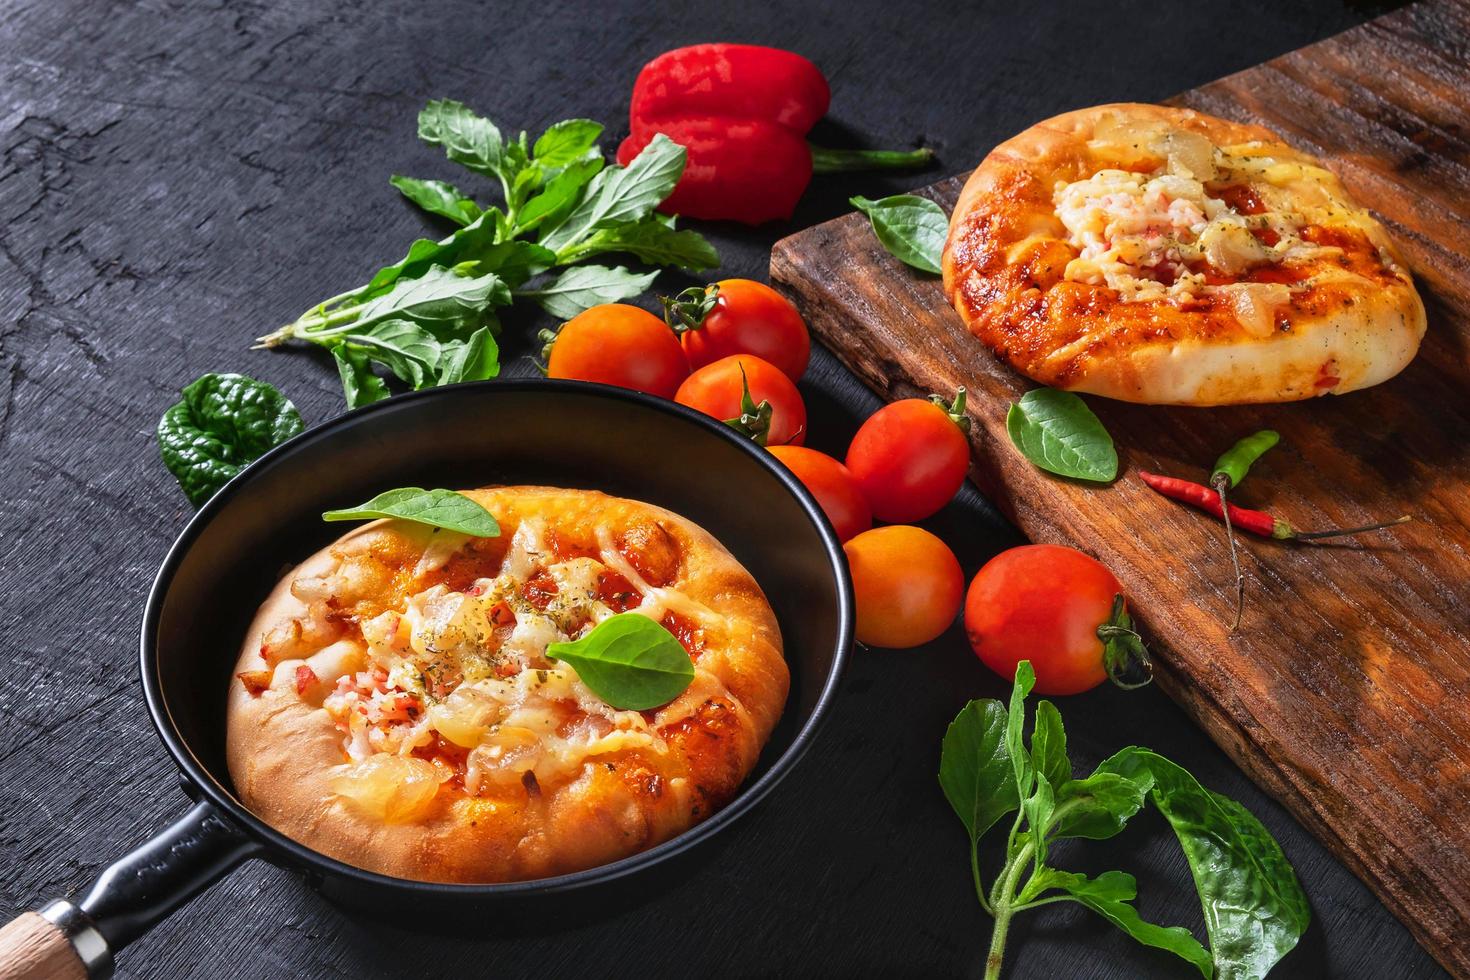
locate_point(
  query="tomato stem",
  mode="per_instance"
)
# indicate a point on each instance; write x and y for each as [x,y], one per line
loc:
[1124,655]
[754,421]
[955,409]
[687,310]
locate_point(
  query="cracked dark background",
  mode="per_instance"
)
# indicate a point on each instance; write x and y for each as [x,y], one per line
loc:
[178,178]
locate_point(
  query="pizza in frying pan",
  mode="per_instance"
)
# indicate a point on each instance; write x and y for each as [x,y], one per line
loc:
[1161,255]
[394,707]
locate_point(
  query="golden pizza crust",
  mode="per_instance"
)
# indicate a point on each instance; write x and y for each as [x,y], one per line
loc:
[1008,252]
[283,749]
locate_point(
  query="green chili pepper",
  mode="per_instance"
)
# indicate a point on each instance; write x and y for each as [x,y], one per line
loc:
[1239,458]
[1230,471]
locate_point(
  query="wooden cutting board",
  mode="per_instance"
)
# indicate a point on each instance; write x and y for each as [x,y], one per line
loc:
[1347,691]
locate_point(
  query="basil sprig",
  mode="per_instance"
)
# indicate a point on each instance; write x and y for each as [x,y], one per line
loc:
[221,423]
[1254,908]
[910,227]
[437,508]
[429,319]
[1059,433]
[629,661]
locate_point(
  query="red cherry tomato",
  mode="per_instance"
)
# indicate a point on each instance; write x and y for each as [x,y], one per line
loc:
[910,457]
[1042,603]
[718,389]
[621,345]
[746,317]
[907,585]
[832,485]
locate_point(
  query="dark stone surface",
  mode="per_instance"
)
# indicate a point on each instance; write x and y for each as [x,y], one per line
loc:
[178,177]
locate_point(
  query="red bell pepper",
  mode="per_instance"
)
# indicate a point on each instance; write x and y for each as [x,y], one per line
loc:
[742,112]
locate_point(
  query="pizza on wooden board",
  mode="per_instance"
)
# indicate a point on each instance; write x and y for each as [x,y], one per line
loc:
[1164,256]
[394,707]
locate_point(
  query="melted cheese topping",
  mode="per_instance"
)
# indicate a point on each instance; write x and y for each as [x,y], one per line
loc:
[470,668]
[1150,235]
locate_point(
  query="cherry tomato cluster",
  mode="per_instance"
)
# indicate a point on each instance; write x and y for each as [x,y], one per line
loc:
[735,350]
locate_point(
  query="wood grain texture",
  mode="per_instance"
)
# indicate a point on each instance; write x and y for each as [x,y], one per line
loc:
[178,177]
[1344,693]
[33,949]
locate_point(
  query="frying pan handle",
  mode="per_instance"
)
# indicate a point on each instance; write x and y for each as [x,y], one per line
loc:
[66,940]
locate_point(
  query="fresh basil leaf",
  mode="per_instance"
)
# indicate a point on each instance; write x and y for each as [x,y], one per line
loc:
[360,386]
[1097,807]
[437,508]
[622,194]
[561,194]
[425,253]
[1058,432]
[1021,768]
[220,424]
[653,241]
[438,197]
[975,767]
[1039,807]
[470,140]
[911,228]
[1108,895]
[438,295]
[474,359]
[513,262]
[629,661]
[566,142]
[1255,910]
[1049,745]
[406,348]
[584,286]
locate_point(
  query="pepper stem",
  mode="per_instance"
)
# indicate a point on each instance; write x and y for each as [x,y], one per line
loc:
[1309,536]
[1221,483]
[829,161]
[1124,655]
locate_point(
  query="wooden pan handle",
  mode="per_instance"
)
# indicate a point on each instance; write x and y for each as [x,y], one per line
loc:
[33,948]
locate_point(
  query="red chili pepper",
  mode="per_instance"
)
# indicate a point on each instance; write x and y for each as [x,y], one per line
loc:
[1254,521]
[305,679]
[742,112]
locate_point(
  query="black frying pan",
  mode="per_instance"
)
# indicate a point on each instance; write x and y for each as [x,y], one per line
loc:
[268,519]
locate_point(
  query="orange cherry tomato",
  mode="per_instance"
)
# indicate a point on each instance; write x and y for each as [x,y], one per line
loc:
[910,457]
[746,317]
[832,485]
[718,389]
[907,584]
[621,345]
[1042,603]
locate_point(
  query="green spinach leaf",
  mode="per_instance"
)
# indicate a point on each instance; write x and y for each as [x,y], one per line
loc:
[629,661]
[438,197]
[1255,910]
[221,423]
[436,508]
[911,228]
[1058,432]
